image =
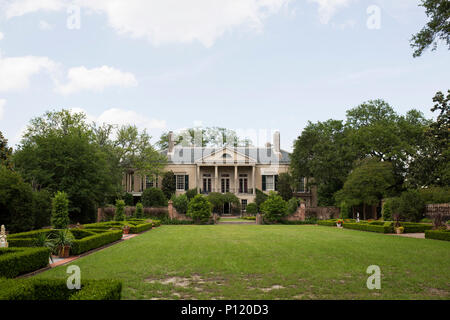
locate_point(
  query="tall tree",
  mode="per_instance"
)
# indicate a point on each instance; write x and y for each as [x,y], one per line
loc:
[437,28]
[5,152]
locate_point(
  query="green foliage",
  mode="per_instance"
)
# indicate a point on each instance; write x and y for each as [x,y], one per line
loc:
[180,203]
[191,193]
[139,213]
[17,261]
[61,239]
[435,195]
[274,208]
[154,197]
[438,234]
[141,228]
[412,206]
[217,201]
[80,246]
[120,211]
[260,198]
[386,211]
[285,186]
[129,199]
[387,227]
[293,205]
[33,289]
[345,210]
[437,28]
[15,202]
[367,184]
[168,184]
[199,209]
[42,208]
[252,209]
[60,211]
[5,153]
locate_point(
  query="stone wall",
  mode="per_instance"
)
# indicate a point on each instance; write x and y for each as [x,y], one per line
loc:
[437,209]
[107,213]
[173,214]
[321,213]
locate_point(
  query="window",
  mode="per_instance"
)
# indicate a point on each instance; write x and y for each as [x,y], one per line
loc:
[207,183]
[181,182]
[243,183]
[302,185]
[226,156]
[270,183]
[244,205]
[149,183]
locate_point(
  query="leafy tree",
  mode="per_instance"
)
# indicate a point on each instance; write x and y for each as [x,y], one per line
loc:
[285,183]
[260,198]
[412,206]
[199,209]
[435,195]
[153,197]
[252,209]
[274,208]
[120,210]
[234,201]
[191,193]
[5,153]
[139,213]
[217,201]
[367,184]
[15,202]
[386,211]
[58,152]
[437,28]
[180,203]
[60,211]
[42,208]
[169,184]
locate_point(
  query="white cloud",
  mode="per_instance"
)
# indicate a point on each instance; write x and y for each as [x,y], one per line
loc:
[44,25]
[96,79]
[328,8]
[1,36]
[2,108]
[19,8]
[130,117]
[15,72]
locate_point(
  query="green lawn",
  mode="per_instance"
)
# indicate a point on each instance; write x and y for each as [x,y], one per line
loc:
[270,262]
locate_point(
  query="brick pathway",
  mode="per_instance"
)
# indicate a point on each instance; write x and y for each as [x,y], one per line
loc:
[409,235]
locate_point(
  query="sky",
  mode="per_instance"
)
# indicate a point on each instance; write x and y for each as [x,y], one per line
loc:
[254,66]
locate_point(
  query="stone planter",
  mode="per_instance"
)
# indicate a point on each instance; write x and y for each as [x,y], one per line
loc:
[126,230]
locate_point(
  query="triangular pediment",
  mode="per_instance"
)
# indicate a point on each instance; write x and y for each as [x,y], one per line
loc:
[226,155]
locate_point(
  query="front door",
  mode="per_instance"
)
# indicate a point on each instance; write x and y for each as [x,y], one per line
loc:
[226,208]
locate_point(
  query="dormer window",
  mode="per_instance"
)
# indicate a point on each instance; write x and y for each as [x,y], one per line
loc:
[226,156]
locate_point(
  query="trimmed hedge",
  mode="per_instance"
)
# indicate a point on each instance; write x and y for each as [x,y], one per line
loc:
[411,227]
[46,289]
[95,241]
[141,227]
[387,227]
[438,234]
[17,261]
[287,222]
[26,239]
[328,223]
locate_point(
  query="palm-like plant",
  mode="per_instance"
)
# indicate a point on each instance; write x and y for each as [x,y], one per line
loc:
[62,239]
[44,240]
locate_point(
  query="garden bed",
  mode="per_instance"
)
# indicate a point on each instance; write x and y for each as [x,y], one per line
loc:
[44,290]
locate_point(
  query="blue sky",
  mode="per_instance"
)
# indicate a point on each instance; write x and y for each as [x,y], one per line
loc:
[258,65]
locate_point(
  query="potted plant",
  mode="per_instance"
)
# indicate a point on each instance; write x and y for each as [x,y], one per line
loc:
[339,223]
[126,229]
[399,230]
[62,242]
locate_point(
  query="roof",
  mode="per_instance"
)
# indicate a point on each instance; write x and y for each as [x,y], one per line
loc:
[190,155]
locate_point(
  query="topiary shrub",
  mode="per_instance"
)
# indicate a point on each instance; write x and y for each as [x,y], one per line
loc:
[293,205]
[274,208]
[252,209]
[199,209]
[60,211]
[386,211]
[154,197]
[139,213]
[181,203]
[120,211]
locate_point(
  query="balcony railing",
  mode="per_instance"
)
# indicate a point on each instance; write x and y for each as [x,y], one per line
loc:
[230,190]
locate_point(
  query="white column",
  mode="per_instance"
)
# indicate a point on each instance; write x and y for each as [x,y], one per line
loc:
[236,179]
[216,179]
[253,180]
[198,179]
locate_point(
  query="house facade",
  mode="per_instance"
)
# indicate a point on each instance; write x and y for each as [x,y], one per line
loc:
[239,170]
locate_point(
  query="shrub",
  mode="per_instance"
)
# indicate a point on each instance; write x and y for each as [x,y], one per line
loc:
[412,206]
[129,199]
[438,234]
[27,239]
[217,201]
[181,203]
[17,261]
[60,211]
[328,223]
[386,211]
[56,289]
[95,241]
[141,227]
[139,213]
[411,227]
[292,205]
[191,193]
[168,184]
[199,209]
[252,208]
[260,198]
[274,208]
[120,211]
[285,182]
[298,222]
[435,195]
[387,227]
[42,208]
[154,197]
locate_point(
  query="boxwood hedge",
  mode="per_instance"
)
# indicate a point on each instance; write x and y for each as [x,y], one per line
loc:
[438,234]
[17,261]
[94,241]
[387,227]
[46,289]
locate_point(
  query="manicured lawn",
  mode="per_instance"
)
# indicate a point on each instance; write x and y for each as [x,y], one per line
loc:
[270,262]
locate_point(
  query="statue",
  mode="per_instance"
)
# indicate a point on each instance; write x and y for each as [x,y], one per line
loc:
[3,242]
[357,217]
